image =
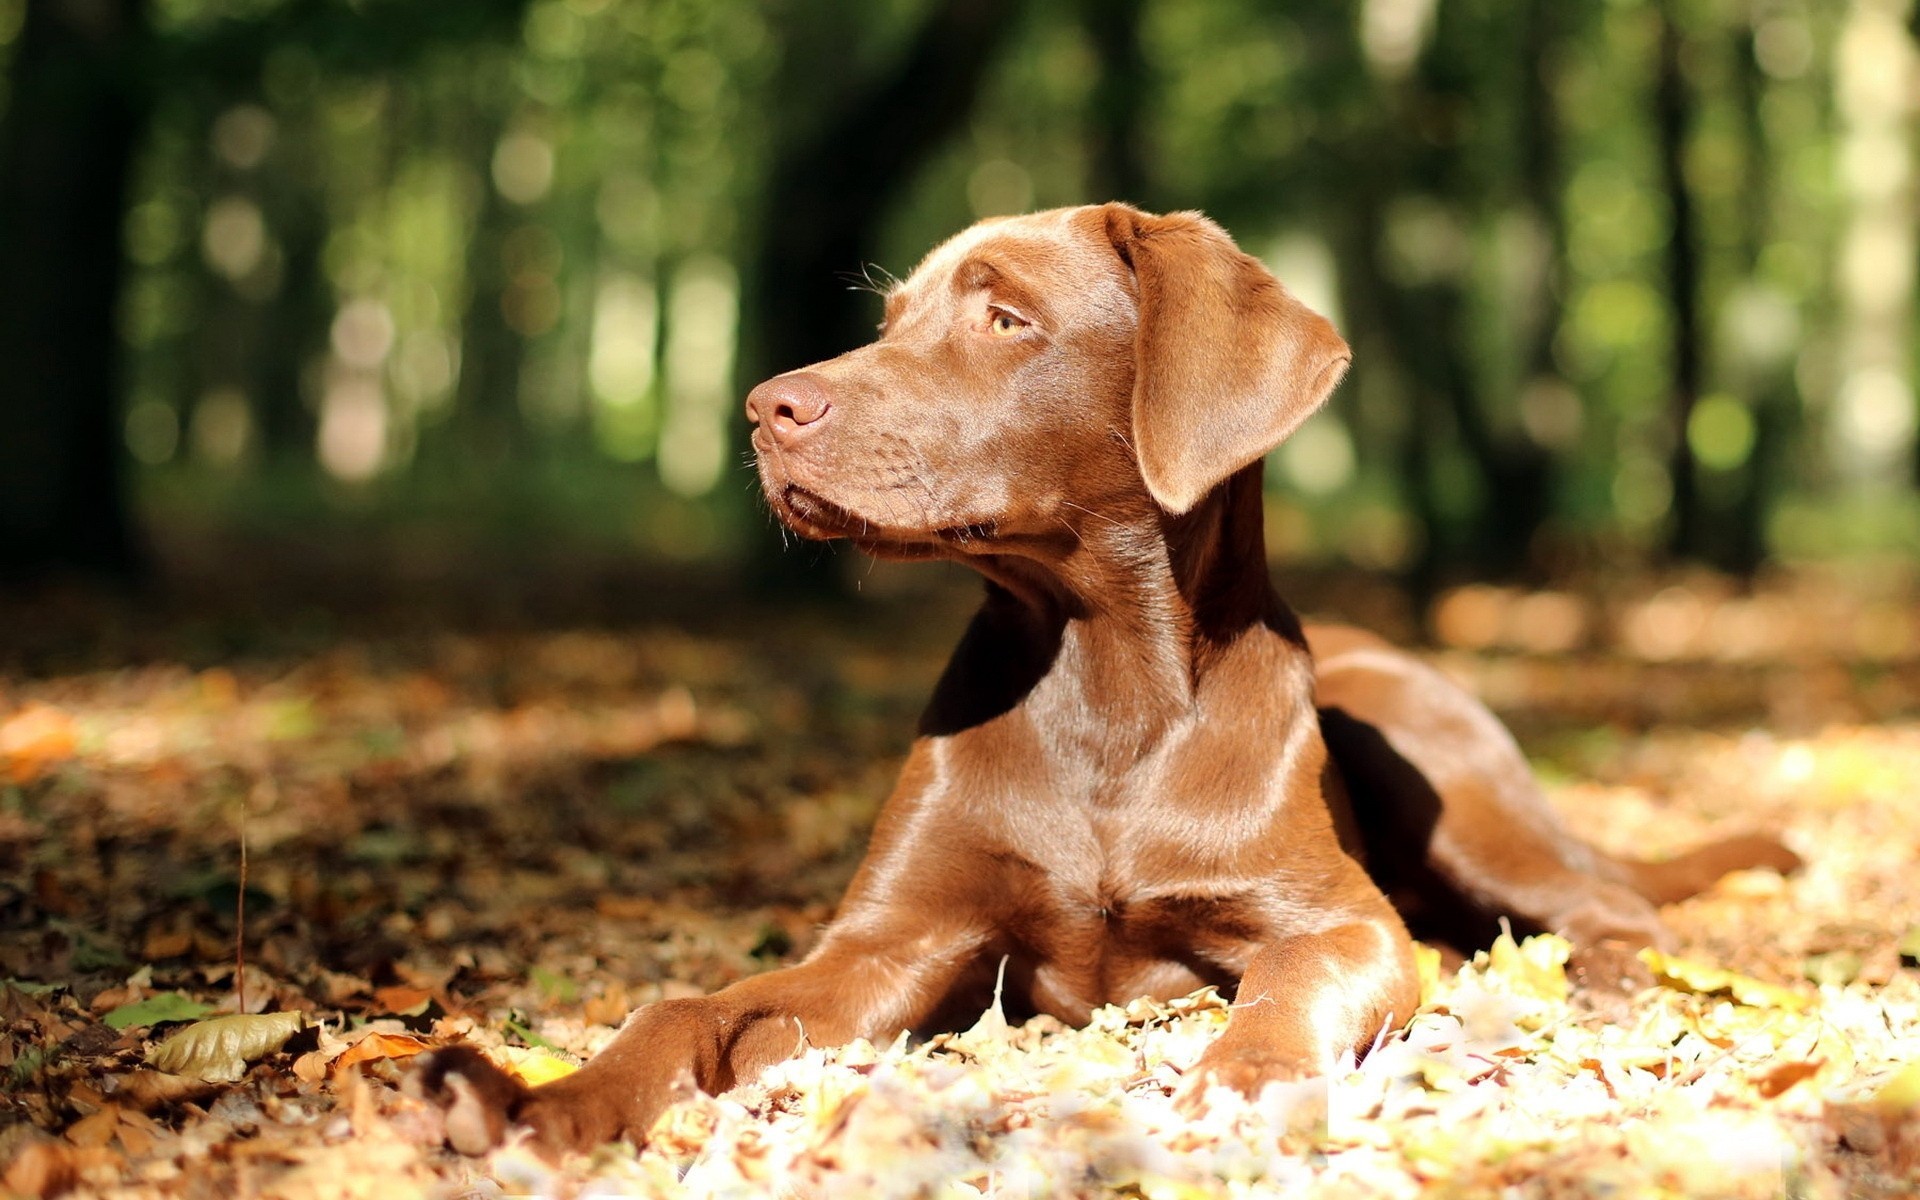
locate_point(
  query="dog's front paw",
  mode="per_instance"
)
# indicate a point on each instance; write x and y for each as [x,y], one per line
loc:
[483,1106]
[479,1103]
[1244,1069]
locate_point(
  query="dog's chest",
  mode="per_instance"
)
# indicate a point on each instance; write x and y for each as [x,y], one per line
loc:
[1104,920]
[1091,950]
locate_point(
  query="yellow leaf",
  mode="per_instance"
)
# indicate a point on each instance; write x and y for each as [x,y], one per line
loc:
[1427,960]
[1686,975]
[1901,1094]
[531,1067]
[1535,966]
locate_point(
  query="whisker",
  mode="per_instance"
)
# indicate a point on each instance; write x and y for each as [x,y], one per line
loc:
[1068,525]
[1101,516]
[863,281]
[858,283]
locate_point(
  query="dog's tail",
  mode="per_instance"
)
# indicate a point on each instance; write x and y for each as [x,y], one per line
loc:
[1683,875]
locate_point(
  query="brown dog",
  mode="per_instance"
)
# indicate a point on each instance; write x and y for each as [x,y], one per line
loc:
[1138,774]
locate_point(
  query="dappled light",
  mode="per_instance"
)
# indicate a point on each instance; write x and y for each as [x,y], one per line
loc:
[565,219]
[1788,620]
[398,652]
[514,838]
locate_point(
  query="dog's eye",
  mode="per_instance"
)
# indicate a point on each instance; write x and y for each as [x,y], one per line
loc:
[1002,323]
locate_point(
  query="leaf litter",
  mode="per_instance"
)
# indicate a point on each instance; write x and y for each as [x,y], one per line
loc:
[513,838]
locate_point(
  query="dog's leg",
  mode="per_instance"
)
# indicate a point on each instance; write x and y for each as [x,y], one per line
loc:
[871,984]
[1307,999]
[1426,760]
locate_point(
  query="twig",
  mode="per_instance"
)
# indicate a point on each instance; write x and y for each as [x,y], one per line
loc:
[240,921]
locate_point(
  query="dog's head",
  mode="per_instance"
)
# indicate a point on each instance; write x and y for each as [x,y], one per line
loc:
[1035,373]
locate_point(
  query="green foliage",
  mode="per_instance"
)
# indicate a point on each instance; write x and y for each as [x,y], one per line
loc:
[156,1009]
[373,244]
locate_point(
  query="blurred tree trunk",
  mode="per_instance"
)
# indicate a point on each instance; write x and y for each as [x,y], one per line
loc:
[1541,175]
[1115,152]
[295,333]
[487,396]
[826,199]
[1521,473]
[78,103]
[1672,116]
[1424,153]
[1769,385]
[1373,302]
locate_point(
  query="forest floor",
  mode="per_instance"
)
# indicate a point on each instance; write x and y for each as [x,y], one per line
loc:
[512,829]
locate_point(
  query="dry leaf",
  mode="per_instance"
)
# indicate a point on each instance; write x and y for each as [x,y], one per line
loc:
[1688,976]
[1900,1095]
[136,1139]
[1536,966]
[144,1089]
[96,1130]
[531,1067]
[1427,960]
[35,739]
[313,1066]
[44,1168]
[402,1001]
[1835,967]
[1774,1080]
[378,1045]
[218,1050]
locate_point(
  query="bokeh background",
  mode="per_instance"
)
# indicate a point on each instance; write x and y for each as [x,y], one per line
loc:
[399,288]
[391,630]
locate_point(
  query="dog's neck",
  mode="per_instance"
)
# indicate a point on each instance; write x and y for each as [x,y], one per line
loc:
[1137,612]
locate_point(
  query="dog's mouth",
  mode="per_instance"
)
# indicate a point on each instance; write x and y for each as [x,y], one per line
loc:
[812,515]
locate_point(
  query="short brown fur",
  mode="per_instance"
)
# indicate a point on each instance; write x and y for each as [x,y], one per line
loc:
[1139,774]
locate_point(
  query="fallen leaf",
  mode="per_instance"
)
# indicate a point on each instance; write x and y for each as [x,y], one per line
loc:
[146,1089]
[96,1130]
[155,1010]
[1901,1094]
[1426,960]
[531,1067]
[44,1168]
[34,739]
[218,1050]
[312,1066]
[379,1045]
[557,988]
[1836,967]
[135,1138]
[625,908]
[1536,966]
[1775,1080]
[1688,976]
[403,1001]
[525,1033]
[161,942]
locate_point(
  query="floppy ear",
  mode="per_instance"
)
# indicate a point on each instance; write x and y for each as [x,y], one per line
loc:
[1227,362]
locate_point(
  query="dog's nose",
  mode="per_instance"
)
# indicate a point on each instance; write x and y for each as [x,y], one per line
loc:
[789,405]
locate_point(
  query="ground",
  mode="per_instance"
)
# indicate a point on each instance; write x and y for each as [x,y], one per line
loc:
[446,821]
